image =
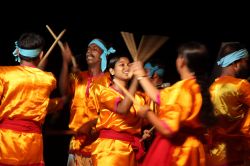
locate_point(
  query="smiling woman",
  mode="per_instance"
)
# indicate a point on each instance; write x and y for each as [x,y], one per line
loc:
[117,123]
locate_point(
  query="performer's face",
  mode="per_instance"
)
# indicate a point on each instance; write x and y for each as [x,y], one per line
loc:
[180,63]
[243,69]
[121,70]
[156,79]
[93,54]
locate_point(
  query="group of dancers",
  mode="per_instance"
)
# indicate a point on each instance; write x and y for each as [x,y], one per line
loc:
[195,121]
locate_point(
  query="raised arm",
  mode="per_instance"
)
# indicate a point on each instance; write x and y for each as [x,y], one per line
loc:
[140,74]
[64,84]
[124,106]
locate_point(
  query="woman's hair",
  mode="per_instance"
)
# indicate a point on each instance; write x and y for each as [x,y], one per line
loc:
[30,41]
[196,56]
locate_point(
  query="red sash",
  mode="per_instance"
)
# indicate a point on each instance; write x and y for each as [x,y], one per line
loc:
[27,126]
[135,141]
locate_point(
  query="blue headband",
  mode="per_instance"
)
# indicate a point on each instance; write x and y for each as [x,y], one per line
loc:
[31,53]
[104,53]
[153,70]
[232,57]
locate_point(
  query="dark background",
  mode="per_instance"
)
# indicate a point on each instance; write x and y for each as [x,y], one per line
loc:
[210,24]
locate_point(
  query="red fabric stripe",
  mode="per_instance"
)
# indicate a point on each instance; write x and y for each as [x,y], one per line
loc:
[135,141]
[38,164]
[21,125]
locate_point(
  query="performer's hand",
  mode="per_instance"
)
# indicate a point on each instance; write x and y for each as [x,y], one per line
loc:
[137,69]
[146,134]
[75,69]
[67,53]
[143,111]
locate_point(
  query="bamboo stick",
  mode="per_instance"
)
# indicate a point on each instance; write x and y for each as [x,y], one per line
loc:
[149,45]
[50,49]
[130,43]
[61,45]
[150,130]
[124,90]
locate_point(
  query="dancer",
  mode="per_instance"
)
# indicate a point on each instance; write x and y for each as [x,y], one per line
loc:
[24,91]
[185,110]
[84,108]
[231,97]
[120,128]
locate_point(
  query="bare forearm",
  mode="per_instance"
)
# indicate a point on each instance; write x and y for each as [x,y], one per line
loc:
[126,103]
[87,127]
[157,123]
[149,88]
[64,80]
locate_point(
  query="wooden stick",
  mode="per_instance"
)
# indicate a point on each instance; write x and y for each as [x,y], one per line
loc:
[54,36]
[150,130]
[52,46]
[149,44]
[61,45]
[130,43]
[124,90]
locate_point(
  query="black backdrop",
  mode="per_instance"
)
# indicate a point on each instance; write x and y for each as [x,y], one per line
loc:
[85,21]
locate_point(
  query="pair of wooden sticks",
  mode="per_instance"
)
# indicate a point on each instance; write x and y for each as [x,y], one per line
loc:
[57,40]
[149,44]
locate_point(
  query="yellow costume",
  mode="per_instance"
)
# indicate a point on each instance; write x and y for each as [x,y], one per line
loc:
[24,93]
[118,133]
[84,107]
[231,98]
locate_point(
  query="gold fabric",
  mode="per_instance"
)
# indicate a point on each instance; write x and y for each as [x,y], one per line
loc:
[84,107]
[111,151]
[179,109]
[231,98]
[24,95]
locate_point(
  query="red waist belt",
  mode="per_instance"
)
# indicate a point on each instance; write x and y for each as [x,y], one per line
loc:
[135,141]
[21,125]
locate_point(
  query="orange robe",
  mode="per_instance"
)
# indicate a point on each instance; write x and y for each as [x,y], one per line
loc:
[231,98]
[112,151]
[84,107]
[179,111]
[24,96]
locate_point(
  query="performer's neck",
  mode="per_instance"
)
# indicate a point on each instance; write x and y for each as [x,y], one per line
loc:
[94,71]
[26,63]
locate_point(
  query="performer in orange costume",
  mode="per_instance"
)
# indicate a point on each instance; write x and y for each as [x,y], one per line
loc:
[84,107]
[24,96]
[184,111]
[120,128]
[231,97]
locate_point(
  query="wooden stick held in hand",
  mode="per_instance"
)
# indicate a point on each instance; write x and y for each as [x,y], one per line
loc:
[54,36]
[149,44]
[130,43]
[150,130]
[61,45]
[124,90]
[50,49]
